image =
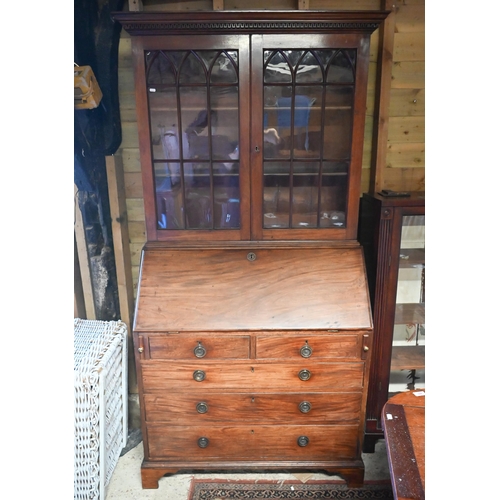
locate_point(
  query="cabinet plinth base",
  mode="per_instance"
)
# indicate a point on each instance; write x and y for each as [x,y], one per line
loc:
[352,472]
[370,441]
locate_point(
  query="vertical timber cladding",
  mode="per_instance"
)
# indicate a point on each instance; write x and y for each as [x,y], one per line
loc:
[404,168]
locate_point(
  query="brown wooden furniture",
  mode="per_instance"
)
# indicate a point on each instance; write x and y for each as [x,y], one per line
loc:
[391,231]
[403,421]
[253,324]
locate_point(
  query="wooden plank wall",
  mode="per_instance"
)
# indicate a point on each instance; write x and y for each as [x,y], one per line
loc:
[402,162]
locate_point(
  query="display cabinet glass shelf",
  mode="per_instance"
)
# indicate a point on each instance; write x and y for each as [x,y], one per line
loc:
[253,328]
[392,232]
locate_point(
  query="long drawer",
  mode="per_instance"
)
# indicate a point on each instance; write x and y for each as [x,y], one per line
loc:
[252,376]
[252,443]
[208,407]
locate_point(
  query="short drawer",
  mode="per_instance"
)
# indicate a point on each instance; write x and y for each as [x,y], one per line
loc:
[326,346]
[199,346]
[202,408]
[252,443]
[252,376]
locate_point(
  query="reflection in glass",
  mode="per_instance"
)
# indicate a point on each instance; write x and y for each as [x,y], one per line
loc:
[169,195]
[193,107]
[307,124]
[408,351]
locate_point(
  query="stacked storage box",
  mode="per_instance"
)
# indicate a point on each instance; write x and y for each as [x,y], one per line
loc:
[100,370]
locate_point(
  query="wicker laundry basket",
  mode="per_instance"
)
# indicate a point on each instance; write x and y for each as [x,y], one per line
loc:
[101,395]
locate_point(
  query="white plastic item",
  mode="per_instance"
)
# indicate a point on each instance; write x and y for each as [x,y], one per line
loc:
[101,397]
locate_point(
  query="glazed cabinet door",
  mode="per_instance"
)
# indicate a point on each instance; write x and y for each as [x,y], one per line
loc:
[193,97]
[230,153]
[307,135]
[392,232]
[408,337]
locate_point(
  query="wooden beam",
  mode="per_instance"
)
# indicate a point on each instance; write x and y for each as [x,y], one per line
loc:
[303,4]
[218,4]
[119,228]
[382,98]
[79,300]
[83,259]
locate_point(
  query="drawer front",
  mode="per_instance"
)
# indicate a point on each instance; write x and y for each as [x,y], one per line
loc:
[199,346]
[249,443]
[252,376]
[326,346]
[301,408]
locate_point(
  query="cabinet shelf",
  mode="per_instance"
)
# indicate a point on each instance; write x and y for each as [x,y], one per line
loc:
[413,257]
[409,313]
[408,358]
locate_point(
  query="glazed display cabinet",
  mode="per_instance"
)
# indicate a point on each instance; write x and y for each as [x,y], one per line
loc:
[392,231]
[253,325]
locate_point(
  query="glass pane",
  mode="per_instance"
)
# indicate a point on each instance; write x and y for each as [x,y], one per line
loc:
[341,69]
[224,122]
[194,117]
[408,351]
[309,69]
[192,70]
[298,138]
[164,123]
[169,196]
[305,194]
[338,122]
[224,70]
[280,135]
[226,195]
[161,69]
[276,199]
[276,68]
[333,194]
[199,197]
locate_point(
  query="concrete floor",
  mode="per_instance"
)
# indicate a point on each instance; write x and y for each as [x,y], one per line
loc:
[125,483]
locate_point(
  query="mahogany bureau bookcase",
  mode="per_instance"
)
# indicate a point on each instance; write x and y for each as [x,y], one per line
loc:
[253,326]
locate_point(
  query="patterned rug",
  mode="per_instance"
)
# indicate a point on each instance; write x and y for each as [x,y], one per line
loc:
[286,490]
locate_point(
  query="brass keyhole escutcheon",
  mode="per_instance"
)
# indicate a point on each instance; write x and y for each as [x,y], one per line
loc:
[251,256]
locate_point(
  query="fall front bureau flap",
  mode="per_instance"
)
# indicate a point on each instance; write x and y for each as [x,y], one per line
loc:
[252,289]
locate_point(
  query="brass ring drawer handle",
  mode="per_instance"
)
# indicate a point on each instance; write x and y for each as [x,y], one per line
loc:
[199,375]
[305,406]
[304,374]
[202,407]
[203,442]
[306,350]
[303,441]
[199,350]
